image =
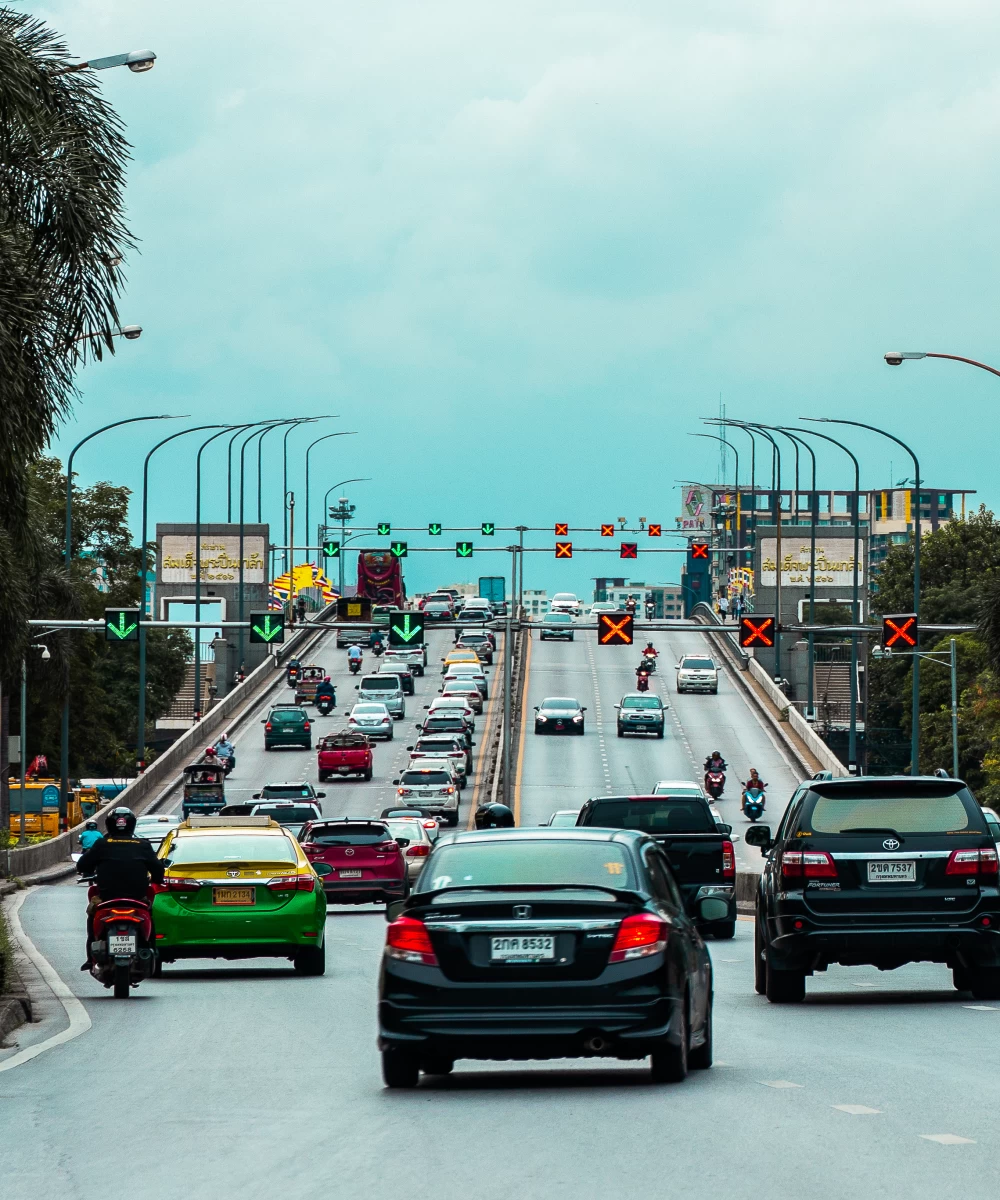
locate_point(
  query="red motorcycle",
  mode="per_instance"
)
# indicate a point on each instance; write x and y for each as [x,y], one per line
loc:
[122,953]
[715,781]
[642,681]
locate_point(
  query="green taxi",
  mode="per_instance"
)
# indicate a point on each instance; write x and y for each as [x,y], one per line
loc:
[239,887]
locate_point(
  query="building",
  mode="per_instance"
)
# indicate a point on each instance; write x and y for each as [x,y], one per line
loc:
[536,602]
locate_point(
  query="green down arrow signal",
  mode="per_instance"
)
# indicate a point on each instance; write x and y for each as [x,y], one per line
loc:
[269,632]
[489,529]
[384,529]
[463,549]
[398,549]
[409,631]
[434,529]
[121,630]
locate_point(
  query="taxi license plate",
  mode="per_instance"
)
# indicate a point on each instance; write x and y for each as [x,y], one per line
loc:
[349,874]
[523,948]
[121,943]
[234,896]
[892,870]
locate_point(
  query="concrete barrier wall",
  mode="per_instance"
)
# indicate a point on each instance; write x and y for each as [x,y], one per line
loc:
[814,743]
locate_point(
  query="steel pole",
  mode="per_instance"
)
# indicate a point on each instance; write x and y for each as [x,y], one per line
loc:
[507,673]
[814,518]
[954,711]
[325,437]
[22,837]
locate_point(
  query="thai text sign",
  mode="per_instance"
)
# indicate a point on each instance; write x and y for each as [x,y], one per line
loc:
[834,562]
[220,558]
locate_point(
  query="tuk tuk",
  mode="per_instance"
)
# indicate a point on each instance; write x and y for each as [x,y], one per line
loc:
[309,679]
[204,789]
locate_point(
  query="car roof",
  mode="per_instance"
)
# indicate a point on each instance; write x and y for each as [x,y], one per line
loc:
[678,783]
[643,796]
[559,700]
[644,695]
[286,803]
[542,833]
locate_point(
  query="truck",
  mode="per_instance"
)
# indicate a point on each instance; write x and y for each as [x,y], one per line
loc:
[380,578]
[699,848]
[342,754]
[494,589]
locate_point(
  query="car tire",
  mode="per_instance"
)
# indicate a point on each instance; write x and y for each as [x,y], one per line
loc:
[984,982]
[399,1069]
[366,775]
[700,1058]
[782,987]
[724,930]
[158,969]
[389,737]
[322,776]
[437,1066]
[621,732]
[714,691]
[759,960]
[310,960]
[669,1063]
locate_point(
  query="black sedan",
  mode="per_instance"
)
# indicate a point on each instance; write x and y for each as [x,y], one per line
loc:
[559,714]
[540,944]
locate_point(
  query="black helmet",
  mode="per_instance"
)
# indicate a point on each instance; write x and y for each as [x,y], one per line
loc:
[120,822]
[90,825]
[494,816]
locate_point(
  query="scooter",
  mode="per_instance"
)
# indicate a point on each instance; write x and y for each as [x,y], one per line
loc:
[715,782]
[650,611]
[642,681]
[378,649]
[122,952]
[648,664]
[753,803]
[325,705]
[292,676]
[228,763]
[354,665]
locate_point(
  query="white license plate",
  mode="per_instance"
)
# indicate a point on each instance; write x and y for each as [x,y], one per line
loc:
[523,948]
[349,874]
[121,943]
[892,870]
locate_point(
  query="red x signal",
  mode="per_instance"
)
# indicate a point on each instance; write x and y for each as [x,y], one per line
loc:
[607,531]
[629,550]
[614,629]
[655,530]
[756,631]
[899,631]
[564,549]
[699,549]
[562,528]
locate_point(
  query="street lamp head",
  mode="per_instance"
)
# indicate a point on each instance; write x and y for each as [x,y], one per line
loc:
[131,332]
[140,60]
[896,357]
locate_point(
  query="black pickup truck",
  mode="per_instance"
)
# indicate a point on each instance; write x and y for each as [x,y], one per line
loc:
[699,850]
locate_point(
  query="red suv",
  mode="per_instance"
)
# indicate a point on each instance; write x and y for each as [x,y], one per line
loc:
[359,861]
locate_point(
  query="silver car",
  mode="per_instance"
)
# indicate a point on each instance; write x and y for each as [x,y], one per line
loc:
[387,689]
[696,673]
[415,842]
[430,788]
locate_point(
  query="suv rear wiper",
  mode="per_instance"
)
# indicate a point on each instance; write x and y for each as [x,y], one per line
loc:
[874,830]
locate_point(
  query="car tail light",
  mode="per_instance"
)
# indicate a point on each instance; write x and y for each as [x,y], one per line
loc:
[817,864]
[181,885]
[267,727]
[292,883]
[450,790]
[307,725]
[791,864]
[418,852]
[972,863]
[408,940]
[401,791]
[728,861]
[639,936]
[386,847]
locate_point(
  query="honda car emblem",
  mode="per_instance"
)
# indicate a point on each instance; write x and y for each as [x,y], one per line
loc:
[890,844]
[522,911]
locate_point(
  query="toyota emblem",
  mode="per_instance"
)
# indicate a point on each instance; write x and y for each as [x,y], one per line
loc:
[890,844]
[234,874]
[348,852]
[522,911]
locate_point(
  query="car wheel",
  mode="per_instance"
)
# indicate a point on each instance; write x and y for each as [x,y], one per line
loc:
[158,969]
[367,774]
[582,729]
[714,691]
[437,1066]
[322,777]
[984,982]
[310,960]
[621,732]
[660,732]
[399,1069]
[723,930]
[700,1058]
[669,1063]
[782,987]
[759,960]
[389,736]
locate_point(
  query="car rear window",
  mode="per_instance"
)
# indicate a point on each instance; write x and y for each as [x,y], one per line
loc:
[900,808]
[380,683]
[573,861]
[348,835]
[232,847]
[663,815]
[288,717]
[286,791]
[642,702]
[369,710]
[699,664]
[440,745]
[443,723]
[560,618]
[286,814]
[424,778]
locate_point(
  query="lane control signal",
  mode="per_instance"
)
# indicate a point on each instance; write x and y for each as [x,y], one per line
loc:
[629,550]
[615,629]
[757,631]
[267,628]
[564,549]
[899,631]
[121,624]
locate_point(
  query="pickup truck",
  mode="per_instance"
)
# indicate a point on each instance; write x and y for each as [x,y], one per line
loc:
[343,754]
[699,850]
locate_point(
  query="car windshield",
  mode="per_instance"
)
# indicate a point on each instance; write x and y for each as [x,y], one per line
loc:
[642,702]
[286,791]
[437,745]
[424,778]
[480,864]
[347,835]
[564,818]
[698,664]
[559,704]
[653,816]
[286,814]
[413,830]
[232,847]
[370,710]
[898,808]
[380,683]
[567,596]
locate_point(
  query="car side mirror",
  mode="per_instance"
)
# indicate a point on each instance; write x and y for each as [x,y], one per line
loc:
[760,836]
[713,908]
[263,720]
[395,782]
[584,709]
[321,795]
[255,796]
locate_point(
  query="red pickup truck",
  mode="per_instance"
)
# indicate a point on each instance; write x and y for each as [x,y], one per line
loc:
[345,753]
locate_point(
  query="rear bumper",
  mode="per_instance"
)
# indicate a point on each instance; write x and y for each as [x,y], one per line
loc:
[363,891]
[885,945]
[546,635]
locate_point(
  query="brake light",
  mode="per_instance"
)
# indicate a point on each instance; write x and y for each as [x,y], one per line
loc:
[972,863]
[639,936]
[181,885]
[385,847]
[418,852]
[408,940]
[728,861]
[306,725]
[450,790]
[292,883]
[791,864]
[267,727]
[817,864]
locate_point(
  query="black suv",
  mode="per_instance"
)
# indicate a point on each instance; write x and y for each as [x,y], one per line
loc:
[878,871]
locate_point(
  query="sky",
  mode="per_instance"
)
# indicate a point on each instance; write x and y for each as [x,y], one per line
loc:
[524,248]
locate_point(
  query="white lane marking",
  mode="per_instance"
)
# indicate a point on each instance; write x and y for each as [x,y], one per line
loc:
[980,1007]
[599,718]
[736,959]
[948,1139]
[779,1083]
[79,1020]
[856,1110]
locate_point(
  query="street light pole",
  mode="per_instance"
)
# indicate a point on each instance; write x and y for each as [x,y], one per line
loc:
[814,517]
[896,357]
[325,437]
[915,702]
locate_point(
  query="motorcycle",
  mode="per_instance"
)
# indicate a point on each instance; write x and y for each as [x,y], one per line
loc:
[228,763]
[291,675]
[753,803]
[354,665]
[642,681]
[325,705]
[122,952]
[650,611]
[378,650]
[648,664]
[715,782]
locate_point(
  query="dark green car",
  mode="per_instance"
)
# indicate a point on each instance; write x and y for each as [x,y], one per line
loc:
[287,725]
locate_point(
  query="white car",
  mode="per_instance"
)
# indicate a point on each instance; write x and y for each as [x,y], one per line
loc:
[431,787]
[677,787]
[453,706]
[466,672]
[154,828]
[468,689]
[565,602]
[416,658]
[371,718]
[697,673]
[413,832]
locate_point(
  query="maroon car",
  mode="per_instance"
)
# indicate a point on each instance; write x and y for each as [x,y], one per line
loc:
[358,860]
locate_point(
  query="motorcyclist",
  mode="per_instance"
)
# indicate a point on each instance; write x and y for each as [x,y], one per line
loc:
[123,865]
[354,653]
[224,748]
[292,669]
[641,679]
[715,762]
[494,816]
[651,652]
[325,691]
[375,639]
[300,609]
[90,835]
[754,783]
[630,606]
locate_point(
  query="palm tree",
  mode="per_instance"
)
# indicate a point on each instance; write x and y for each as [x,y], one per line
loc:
[62,239]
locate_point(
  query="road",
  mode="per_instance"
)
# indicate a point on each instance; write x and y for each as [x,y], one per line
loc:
[246,1079]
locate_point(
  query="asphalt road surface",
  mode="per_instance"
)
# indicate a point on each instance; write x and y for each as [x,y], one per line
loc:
[222,1080]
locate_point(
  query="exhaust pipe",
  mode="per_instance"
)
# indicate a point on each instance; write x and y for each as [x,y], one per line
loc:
[595,1044]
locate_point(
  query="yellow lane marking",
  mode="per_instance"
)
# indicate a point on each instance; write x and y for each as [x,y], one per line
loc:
[520,742]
